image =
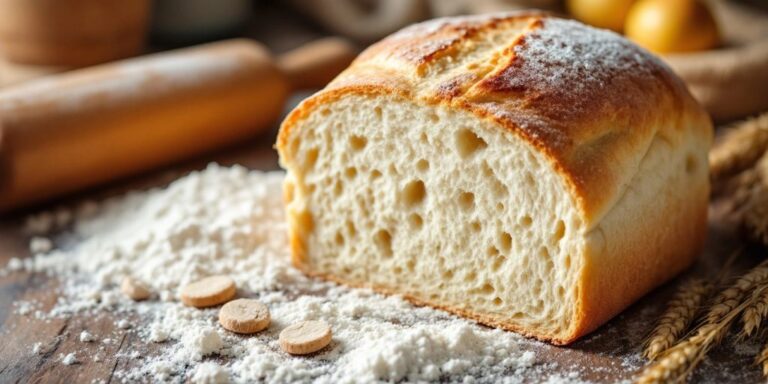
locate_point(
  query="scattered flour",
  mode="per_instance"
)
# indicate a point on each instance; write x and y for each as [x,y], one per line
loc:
[86,337]
[210,373]
[37,348]
[39,244]
[69,359]
[230,221]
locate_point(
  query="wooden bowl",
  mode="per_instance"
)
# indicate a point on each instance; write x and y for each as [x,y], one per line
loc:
[72,33]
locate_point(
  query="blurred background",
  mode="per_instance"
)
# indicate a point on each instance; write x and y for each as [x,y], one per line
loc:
[85,98]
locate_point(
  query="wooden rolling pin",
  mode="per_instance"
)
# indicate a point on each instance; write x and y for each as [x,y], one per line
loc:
[66,132]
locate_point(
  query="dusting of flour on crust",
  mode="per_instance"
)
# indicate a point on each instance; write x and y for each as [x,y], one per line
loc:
[230,221]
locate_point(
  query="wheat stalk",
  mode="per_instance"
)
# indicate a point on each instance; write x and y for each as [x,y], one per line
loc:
[680,313]
[726,301]
[754,314]
[680,360]
[740,148]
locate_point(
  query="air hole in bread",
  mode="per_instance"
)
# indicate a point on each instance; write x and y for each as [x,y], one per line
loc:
[526,221]
[499,189]
[339,239]
[691,165]
[448,274]
[497,301]
[338,188]
[434,118]
[476,226]
[310,159]
[325,112]
[375,174]
[487,289]
[414,193]
[498,261]
[561,291]
[411,265]
[377,112]
[311,188]
[351,229]
[424,138]
[397,270]
[415,220]
[393,170]
[470,276]
[505,241]
[559,230]
[383,240]
[357,143]
[529,180]
[467,201]
[350,172]
[567,261]
[467,142]
[422,165]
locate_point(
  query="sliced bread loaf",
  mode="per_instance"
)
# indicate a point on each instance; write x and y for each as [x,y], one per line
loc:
[527,172]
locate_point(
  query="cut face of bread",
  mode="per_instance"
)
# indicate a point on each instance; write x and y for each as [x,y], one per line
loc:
[439,206]
[486,202]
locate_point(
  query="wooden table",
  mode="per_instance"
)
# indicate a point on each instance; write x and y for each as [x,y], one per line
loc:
[608,355]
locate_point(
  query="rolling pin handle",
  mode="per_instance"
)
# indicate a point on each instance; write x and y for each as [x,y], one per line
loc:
[315,64]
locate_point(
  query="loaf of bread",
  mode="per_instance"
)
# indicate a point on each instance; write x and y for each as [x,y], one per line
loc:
[527,172]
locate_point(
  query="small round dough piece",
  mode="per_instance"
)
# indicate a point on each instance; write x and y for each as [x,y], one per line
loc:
[209,291]
[134,289]
[244,316]
[305,337]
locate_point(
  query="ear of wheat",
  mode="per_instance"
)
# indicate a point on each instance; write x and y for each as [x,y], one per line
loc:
[753,315]
[740,147]
[726,301]
[680,360]
[680,313]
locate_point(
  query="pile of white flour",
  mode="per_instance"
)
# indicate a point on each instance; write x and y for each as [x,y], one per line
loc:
[230,221]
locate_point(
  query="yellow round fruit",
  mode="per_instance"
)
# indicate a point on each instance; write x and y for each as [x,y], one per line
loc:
[665,26]
[608,14]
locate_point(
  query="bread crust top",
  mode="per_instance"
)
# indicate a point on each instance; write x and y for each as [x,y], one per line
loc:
[588,99]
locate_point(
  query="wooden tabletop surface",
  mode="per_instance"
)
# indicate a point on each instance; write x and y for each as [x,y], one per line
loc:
[608,355]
